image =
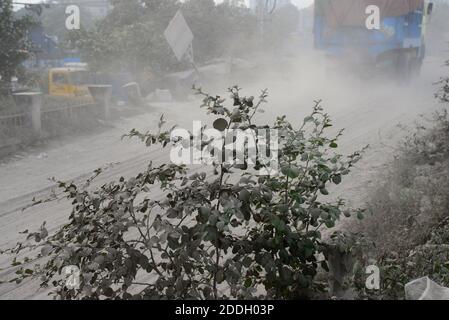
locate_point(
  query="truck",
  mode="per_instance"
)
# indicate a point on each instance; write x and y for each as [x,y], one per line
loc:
[396,46]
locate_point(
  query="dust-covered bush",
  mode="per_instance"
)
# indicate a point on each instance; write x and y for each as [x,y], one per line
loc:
[406,233]
[443,93]
[412,196]
[408,228]
[430,258]
[218,232]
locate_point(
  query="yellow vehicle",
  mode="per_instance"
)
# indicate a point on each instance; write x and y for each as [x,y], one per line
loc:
[67,82]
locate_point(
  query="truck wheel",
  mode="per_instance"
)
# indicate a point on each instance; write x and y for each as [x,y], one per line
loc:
[404,67]
[416,67]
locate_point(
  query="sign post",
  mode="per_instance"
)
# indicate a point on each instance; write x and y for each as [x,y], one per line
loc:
[180,38]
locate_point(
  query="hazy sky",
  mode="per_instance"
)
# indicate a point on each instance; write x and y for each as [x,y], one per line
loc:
[299,3]
[303,3]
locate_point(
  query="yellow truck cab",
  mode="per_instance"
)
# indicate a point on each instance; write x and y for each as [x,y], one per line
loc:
[69,81]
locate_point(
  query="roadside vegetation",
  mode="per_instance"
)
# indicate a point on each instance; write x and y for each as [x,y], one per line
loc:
[211,234]
[15,46]
[406,233]
[228,233]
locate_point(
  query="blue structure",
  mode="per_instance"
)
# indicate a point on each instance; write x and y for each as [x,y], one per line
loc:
[398,42]
[46,52]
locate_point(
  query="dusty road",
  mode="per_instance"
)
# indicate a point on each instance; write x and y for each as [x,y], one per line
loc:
[369,112]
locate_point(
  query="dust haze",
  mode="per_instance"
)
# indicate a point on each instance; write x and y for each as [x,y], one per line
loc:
[371,109]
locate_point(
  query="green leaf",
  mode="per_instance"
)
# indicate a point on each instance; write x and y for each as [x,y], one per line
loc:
[221,225]
[291,171]
[315,212]
[247,261]
[205,211]
[172,213]
[45,251]
[308,119]
[324,266]
[330,223]
[336,179]
[220,276]
[244,195]
[279,224]
[309,251]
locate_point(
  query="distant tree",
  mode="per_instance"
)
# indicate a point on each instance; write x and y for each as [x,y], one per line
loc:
[13,41]
[283,22]
[219,29]
[131,36]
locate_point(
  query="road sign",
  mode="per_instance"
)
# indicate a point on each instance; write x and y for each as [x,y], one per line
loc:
[179,36]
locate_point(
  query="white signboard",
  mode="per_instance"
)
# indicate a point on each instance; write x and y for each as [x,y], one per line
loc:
[179,36]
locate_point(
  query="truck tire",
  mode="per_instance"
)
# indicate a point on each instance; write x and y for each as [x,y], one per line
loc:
[416,67]
[404,67]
